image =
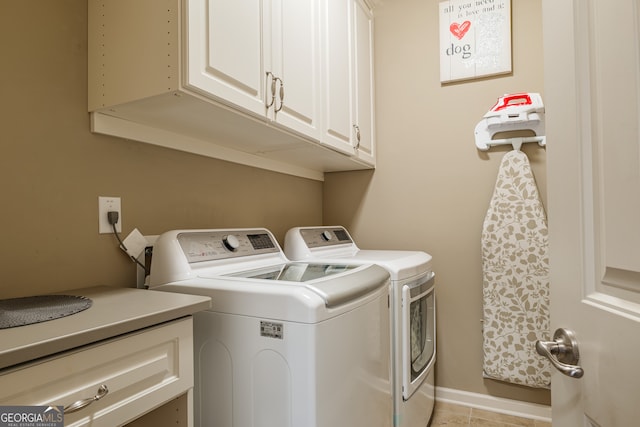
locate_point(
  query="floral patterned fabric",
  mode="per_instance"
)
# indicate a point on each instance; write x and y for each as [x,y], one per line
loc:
[515,277]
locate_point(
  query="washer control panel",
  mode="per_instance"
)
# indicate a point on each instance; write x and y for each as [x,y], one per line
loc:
[325,236]
[200,246]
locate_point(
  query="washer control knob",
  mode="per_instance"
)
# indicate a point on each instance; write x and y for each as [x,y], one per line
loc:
[326,235]
[231,242]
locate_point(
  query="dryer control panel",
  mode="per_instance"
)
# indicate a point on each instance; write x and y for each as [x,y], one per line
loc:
[325,236]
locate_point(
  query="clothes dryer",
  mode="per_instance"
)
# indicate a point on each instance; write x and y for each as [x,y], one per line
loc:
[412,302]
[284,344]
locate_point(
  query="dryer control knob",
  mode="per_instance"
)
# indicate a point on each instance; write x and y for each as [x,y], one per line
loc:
[326,235]
[231,242]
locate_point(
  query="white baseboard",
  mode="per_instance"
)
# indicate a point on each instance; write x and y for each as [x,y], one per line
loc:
[495,404]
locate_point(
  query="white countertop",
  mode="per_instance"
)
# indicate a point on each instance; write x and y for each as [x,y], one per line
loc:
[114,311]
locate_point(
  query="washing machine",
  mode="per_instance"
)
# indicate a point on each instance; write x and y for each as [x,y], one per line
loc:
[285,344]
[413,321]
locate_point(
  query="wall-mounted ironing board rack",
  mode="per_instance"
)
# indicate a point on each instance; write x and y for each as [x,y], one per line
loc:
[515,142]
[514,112]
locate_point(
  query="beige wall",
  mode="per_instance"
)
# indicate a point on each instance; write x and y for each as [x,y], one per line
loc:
[53,169]
[431,188]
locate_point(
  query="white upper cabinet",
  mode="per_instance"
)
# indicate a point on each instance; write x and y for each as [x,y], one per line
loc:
[338,90]
[260,56]
[348,78]
[276,84]
[363,75]
[296,66]
[225,50]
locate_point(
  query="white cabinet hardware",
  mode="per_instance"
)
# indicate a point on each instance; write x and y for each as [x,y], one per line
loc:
[83,403]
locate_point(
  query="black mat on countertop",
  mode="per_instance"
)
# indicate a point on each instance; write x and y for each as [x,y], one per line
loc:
[28,310]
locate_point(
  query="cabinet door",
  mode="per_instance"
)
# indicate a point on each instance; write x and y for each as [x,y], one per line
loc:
[338,90]
[363,75]
[225,51]
[295,63]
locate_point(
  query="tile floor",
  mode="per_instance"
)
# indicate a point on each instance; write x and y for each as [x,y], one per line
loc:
[447,414]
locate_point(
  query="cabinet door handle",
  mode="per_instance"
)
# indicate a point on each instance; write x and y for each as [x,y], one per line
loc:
[79,404]
[357,129]
[281,94]
[273,79]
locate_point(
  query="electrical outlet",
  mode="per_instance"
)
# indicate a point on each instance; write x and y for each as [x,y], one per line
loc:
[108,204]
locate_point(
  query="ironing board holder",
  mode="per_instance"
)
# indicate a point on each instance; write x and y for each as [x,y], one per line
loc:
[514,112]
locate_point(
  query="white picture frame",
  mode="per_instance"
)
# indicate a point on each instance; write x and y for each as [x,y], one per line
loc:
[475,39]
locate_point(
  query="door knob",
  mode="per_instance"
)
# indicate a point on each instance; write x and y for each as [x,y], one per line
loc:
[562,352]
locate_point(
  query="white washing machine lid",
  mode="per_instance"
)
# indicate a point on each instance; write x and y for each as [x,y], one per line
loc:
[303,301]
[333,244]
[295,271]
[335,283]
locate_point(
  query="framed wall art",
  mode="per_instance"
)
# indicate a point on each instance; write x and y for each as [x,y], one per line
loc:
[475,39]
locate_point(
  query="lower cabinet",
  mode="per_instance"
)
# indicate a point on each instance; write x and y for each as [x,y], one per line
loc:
[109,383]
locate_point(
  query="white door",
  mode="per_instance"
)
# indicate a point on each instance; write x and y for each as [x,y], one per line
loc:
[225,52]
[295,53]
[363,76]
[592,85]
[337,72]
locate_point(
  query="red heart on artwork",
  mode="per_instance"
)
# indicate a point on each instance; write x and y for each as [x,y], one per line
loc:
[459,30]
